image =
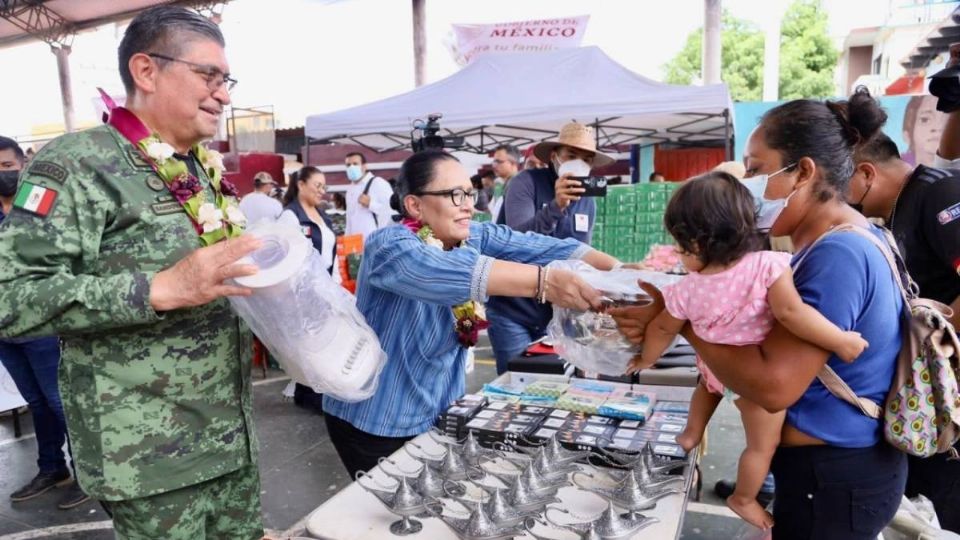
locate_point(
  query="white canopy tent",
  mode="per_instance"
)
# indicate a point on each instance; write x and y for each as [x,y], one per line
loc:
[523,98]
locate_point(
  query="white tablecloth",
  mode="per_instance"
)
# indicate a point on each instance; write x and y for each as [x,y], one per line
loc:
[354,514]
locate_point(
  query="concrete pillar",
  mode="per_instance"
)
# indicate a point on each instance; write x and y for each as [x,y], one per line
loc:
[771,60]
[711,41]
[66,94]
[420,41]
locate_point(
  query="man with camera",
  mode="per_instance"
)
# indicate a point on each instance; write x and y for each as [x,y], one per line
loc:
[551,201]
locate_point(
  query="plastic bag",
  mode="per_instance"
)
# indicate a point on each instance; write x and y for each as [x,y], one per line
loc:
[590,340]
[916,519]
[309,323]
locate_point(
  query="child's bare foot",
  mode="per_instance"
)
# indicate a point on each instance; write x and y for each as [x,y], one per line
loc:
[688,440]
[750,510]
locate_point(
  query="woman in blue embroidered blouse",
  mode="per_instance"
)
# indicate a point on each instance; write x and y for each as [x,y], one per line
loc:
[407,288]
[836,476]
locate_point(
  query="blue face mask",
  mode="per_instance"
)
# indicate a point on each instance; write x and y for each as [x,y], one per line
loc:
[354,173]
[767,210]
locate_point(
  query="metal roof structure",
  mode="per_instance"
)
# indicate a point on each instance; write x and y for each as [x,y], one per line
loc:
[57,21]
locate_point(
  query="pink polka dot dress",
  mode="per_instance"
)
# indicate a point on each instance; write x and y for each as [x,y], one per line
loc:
[729,307]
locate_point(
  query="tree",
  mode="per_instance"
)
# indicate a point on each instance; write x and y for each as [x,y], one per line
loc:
[807,56]
[741,59]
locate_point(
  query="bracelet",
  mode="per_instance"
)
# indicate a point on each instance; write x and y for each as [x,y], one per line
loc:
[539,281]
[543,293]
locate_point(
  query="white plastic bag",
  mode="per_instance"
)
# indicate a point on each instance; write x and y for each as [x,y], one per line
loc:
[916,520]
[309,323]
[589,340]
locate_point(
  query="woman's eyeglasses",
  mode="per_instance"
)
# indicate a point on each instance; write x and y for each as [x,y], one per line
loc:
[457,195]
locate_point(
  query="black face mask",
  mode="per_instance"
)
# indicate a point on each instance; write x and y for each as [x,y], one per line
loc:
[8,183]
[858,206]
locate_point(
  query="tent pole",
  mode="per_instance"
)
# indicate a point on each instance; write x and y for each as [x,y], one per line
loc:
[420,41]
[726,134]
[306,153]
[66,94]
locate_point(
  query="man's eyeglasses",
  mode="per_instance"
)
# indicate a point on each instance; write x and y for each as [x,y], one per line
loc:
[214,77]
[457,196]
[502,161]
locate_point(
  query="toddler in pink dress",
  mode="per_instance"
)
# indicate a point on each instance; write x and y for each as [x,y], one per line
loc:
[732,296]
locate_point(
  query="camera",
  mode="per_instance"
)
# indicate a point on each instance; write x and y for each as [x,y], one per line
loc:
[425,136]
[595,186]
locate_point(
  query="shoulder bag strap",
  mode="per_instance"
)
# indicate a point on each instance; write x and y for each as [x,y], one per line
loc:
[827,375]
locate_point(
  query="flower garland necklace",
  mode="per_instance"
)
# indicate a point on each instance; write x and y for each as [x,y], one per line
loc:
[213,221]
[470,316]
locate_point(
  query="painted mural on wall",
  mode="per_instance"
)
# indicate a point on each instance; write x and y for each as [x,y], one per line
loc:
[913,123]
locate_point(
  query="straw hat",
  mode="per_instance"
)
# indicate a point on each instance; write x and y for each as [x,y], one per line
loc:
[575,135]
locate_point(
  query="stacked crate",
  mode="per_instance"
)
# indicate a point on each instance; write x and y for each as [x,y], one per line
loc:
[630,219]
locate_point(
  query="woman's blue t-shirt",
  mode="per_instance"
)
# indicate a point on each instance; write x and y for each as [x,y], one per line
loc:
[847,279]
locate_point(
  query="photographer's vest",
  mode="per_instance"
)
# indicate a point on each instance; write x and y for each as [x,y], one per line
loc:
[527,311]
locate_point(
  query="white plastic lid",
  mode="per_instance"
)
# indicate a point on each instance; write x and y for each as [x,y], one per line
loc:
[282,255]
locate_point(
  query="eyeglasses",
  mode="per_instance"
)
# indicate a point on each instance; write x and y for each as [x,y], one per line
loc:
[457,196]
[502,161]
[214,77]
[322,188]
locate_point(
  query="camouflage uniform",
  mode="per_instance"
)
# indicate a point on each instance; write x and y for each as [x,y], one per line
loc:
[154,402]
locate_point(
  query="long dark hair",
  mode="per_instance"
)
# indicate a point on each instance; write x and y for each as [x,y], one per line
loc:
[293,190]
[415,173]
[825,131]
[714,216]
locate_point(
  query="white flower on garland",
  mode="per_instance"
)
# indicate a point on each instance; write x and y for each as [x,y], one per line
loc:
[480,310]
[235,216]
[160,151]
[210,217]
[433,241]
[214,160]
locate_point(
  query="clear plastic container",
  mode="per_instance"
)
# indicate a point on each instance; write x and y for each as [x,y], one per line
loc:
[310,324]
[591,340]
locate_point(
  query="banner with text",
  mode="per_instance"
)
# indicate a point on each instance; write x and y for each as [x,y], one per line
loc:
[472,40]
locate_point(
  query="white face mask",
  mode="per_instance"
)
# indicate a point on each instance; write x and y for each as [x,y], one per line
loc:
[354,173]
[767,210]
[576,167]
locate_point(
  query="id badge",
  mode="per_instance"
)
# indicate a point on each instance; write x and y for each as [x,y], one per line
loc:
[582,223]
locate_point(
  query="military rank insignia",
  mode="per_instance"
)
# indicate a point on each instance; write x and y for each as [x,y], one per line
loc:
[35,199]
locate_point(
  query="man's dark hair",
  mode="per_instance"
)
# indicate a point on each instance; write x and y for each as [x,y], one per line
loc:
[655,174]
[163,30]
[6,143]
[878,149]
[511,151]
[363,158]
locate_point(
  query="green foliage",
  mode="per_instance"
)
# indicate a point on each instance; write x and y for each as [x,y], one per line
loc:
[807,56]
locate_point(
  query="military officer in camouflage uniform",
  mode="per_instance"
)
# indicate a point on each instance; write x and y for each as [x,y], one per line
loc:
[154,383]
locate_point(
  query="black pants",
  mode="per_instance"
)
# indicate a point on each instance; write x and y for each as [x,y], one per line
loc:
[359,450]
[826,492]
[938,479]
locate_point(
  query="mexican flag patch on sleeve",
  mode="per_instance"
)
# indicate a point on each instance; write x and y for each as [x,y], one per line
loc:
[35,199]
